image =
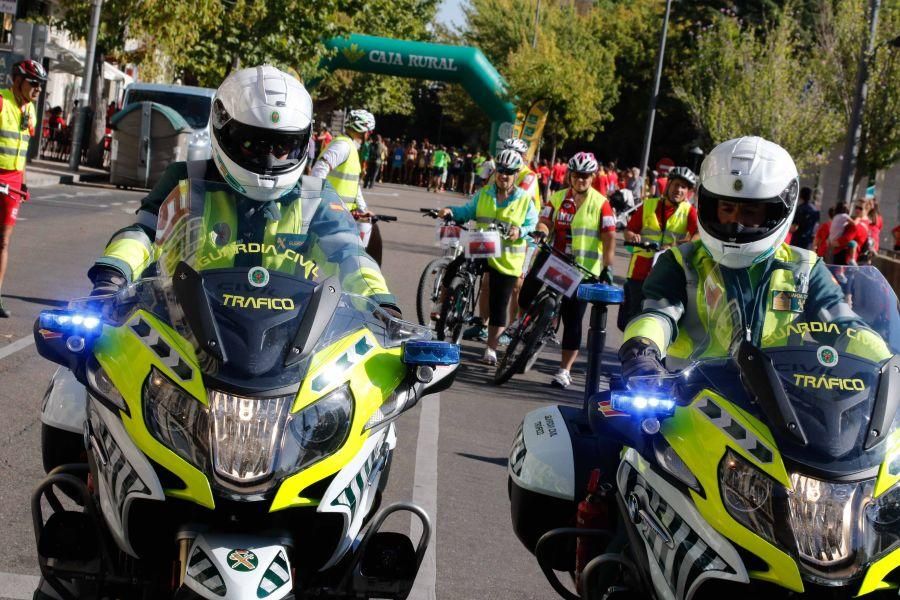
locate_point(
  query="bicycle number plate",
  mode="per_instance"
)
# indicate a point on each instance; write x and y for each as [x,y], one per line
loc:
[448,236]
[482,244]
[560,275]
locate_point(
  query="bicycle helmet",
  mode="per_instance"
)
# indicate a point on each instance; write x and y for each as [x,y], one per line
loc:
[583,162]
[748,174]
[261,124]
[360,120]
[509,160]
[30,69]
[517,144]
[684,174]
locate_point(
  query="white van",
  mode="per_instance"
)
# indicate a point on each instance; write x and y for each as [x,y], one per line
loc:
[194,104]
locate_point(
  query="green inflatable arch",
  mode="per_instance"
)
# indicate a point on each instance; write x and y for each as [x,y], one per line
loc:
[438,62]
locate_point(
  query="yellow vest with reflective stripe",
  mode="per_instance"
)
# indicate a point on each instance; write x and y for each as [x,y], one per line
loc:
[14,131]
[345,177]
[651,229]
[512,260]
[705,293]
[522,175]
[586,245]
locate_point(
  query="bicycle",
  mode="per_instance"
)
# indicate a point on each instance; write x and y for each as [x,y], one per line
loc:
[429,289]
[541,321]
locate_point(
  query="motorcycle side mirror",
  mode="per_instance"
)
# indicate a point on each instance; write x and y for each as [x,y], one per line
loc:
[66,337]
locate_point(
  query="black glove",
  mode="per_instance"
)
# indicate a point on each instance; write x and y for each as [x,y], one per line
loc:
[392,309]
[106,280]
[606,275]
[640,357]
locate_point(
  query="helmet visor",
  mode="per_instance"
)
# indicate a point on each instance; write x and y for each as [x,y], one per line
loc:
[743,220]
[261,150]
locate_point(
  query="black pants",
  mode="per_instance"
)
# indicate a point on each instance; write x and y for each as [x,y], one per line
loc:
[572,313]
[634,297]
[500,289]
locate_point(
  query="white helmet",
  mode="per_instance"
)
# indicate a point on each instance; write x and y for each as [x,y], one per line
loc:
[261,123]
[509,160]
[360,120]
[517,144]
[583,162]
[747,170]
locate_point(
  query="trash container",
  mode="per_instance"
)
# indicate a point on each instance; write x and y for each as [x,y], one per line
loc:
[146,138]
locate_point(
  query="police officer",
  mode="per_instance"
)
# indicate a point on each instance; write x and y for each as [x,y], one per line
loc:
[746,203]
[261,123]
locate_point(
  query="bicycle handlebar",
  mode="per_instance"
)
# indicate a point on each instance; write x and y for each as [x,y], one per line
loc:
[541,240]
[643,245]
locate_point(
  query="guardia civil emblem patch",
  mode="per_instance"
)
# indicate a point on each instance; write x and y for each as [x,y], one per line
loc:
[828,356]
[275,116]
[258,277]
[242,560]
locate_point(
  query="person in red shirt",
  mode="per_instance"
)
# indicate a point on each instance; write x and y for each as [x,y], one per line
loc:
[18,119]
[543,172]
[896,232]
[820,241]
[601,181]
[853,244]
[557,218]
[672,229]
[558,175]
[612,179]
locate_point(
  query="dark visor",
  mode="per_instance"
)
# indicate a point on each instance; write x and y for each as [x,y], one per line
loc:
[263,151]
[776,211]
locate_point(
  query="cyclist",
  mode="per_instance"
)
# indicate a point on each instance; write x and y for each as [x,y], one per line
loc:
[500,202]
[667,223]
[580,223]
[339,160]
[260,136]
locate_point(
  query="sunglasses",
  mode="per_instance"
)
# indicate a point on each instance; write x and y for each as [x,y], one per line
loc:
[578,175]
[504,171]
[35,83]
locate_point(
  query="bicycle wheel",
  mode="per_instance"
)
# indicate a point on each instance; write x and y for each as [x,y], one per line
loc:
[447,322]
[429,289]
[527,341]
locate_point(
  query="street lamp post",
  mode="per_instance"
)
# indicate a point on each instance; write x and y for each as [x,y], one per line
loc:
[78,133]
[854,132]
[697,153]
[648,134]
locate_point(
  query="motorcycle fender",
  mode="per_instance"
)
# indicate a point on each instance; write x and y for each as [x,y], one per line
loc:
[541,459]
[683,550]
[352,491]
[64,405]
[124,474]
[226,567]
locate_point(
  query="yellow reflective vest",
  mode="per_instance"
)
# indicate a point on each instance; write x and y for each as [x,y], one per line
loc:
[16,124]
[344,178]
[586,245]
[651,229]
[512,259]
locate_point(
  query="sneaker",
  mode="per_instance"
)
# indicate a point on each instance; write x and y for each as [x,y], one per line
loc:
[4,314]
[490,357]
[562,379]
[476,332]
[504,339]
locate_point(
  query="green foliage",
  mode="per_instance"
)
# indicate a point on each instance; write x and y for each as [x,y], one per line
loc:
[738,80]
[841,32]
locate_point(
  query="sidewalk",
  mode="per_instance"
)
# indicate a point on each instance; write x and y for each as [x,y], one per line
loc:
[42,173]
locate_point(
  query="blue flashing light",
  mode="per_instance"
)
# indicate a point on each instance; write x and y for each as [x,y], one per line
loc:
[69,322]
[601,293]
[431,353]
[642,404]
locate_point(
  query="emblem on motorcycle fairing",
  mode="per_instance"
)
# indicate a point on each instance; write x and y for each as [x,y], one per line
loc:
[258,277]
[242,560]
[738,185]
[828,356]
[275,116]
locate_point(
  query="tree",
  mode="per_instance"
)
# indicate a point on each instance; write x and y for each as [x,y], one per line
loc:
[841,33]
[740,80]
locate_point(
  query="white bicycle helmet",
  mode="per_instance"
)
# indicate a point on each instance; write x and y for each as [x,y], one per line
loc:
[517,144]
[261,122]
[743,171]
[583,162]
[360,120]
[684,174]
[509,160]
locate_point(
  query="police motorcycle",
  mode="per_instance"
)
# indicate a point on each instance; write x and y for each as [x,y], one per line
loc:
[238,426]
[754,471]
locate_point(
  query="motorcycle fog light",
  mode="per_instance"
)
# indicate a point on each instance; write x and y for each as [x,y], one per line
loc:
[176,418]
[246,434]
[748,495]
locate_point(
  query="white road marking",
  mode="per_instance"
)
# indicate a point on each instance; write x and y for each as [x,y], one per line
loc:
[115,204]
[425,494]
[16,346]
[370,193]
[18,587]
[64,203]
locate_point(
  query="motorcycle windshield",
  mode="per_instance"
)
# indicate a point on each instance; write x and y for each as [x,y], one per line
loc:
[249,283]
[831,369]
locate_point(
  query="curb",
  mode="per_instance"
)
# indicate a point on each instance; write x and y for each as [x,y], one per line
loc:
[37,179]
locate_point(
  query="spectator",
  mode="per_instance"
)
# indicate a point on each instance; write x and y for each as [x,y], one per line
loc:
[543,172]
[558,174]
[851,245]
[324,138]
[365,149]
[896,232]
[397,158]
[468,174]
[485,170]
[876,223]
[376,153]
[612,177]
[633,182]
[820,241]
[410,166]
[805,220]
[455,170]
[838,222]
[601,181]
[423,165]
[439,162]
[384,153]
[477,161]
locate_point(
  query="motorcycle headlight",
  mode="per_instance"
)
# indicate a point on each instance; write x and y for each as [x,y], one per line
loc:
[317,431]
[176,419]
[748,495]
[883,516]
